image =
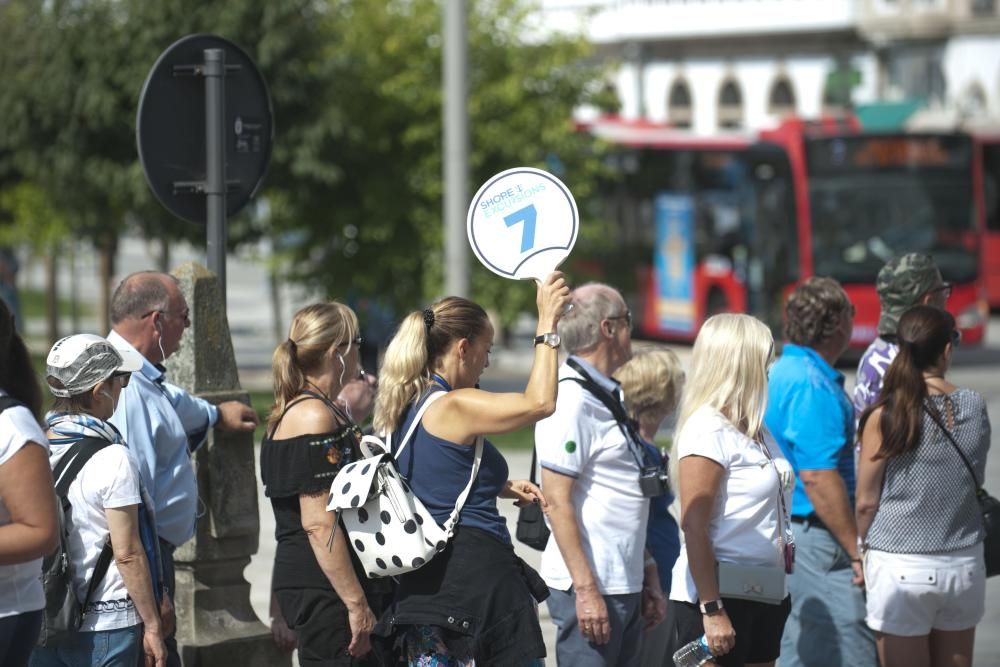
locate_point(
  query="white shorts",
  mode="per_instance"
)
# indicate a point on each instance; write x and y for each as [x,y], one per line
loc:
[911,594]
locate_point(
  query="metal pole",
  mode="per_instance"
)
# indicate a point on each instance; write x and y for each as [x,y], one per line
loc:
[456,148]
[215,162]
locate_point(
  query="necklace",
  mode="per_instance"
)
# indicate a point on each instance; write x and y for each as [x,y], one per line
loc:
[441,381]
[321,392]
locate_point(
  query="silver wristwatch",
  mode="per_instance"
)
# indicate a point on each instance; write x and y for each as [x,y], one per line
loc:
[551,339]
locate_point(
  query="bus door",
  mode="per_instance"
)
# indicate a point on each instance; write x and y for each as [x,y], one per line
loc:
[772,232]
[990,155]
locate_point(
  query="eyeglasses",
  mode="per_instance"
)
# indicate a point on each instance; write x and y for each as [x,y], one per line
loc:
[357,341]
[122,378]
[956,337]
[184,314]
[627,316]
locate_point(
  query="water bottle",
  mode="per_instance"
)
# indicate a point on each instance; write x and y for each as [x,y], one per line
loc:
[693,654]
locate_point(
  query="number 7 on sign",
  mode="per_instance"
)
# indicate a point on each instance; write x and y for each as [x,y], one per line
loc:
[526,215]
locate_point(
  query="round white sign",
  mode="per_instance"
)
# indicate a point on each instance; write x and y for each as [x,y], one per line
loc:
[523,223]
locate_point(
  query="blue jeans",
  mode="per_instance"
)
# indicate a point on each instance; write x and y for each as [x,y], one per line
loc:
[827,624]
[572,650]
[105,648]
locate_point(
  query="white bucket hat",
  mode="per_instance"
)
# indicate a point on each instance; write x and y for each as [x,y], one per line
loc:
[81,361]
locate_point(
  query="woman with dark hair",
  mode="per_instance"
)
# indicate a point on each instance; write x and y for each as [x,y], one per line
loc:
[919,522]
[317,586]
[28,524]
[472,603]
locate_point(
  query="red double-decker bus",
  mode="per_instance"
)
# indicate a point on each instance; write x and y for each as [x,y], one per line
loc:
[732,224]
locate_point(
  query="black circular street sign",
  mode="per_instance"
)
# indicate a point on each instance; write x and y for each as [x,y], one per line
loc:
[170,127]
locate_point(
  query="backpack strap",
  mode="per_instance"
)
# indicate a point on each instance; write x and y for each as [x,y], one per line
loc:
[452,521]
[65,473]
[435,395]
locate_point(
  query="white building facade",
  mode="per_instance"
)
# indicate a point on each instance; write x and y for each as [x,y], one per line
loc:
[717,66]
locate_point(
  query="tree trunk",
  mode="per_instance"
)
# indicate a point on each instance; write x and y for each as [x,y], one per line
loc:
[275,285]
[74,288]
[164,257]
[52,293]
[107,253]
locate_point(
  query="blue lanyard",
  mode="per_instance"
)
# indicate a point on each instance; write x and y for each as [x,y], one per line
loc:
[441,381]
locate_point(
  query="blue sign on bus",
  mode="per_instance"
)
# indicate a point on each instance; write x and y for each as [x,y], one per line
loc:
[674,262]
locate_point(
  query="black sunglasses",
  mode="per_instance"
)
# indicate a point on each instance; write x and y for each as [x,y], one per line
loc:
[123,378]
[956,337]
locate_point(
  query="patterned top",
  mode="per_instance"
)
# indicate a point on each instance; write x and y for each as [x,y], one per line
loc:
[928,502]
[871,372]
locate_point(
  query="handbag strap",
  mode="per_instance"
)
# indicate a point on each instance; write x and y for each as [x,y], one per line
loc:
[951,439]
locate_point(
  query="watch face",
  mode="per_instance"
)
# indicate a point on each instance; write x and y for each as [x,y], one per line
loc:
[553,339]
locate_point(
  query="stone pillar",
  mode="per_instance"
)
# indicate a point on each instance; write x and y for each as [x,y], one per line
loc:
[215,623]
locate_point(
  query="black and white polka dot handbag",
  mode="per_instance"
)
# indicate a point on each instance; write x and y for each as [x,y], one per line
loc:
[388,527]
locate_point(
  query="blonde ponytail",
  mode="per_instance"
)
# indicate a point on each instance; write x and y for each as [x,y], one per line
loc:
[314,330]
[404,373]
[422,339]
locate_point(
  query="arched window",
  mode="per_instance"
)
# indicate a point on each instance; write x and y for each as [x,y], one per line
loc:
[781,101]
[973,100]
[679,107]
[730,106]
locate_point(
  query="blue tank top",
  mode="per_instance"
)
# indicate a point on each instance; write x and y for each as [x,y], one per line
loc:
[437,470]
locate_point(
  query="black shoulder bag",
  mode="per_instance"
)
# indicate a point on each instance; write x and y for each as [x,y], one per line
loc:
[989,506]
[531,528]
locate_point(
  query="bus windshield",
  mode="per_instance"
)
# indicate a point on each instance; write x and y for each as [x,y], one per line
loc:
[861,218]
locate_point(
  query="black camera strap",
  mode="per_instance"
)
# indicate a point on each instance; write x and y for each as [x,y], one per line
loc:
[611,402]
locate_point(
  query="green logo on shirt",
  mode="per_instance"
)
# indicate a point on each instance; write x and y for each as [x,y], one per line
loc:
[570,446]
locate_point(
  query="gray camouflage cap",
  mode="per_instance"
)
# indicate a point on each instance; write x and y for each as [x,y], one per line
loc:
[900,283]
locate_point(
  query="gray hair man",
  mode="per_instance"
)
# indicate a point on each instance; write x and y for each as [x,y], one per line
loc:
[591,464]
[163,424]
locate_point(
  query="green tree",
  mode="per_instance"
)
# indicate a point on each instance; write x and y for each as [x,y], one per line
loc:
[375,224]
[354,189]
[72,75]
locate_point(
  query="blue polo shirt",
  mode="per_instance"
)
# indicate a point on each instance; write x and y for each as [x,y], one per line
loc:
[811,417]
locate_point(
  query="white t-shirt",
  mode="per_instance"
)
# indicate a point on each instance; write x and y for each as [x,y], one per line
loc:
[744,526]
[20,585]
[109,480]
[582,440]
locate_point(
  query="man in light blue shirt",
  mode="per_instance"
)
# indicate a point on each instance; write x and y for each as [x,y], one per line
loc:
[812,419]
[162,423]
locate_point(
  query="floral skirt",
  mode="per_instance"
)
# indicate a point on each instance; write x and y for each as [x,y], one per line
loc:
[426,648]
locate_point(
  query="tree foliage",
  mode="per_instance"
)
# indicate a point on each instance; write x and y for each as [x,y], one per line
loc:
[355,187]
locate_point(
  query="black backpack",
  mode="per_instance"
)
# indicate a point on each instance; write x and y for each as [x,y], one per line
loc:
[63,611]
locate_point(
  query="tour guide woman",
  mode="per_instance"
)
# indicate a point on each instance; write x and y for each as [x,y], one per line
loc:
[471,604]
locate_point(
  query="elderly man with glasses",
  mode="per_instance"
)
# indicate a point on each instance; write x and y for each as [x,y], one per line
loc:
[161,422]
[601,585]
